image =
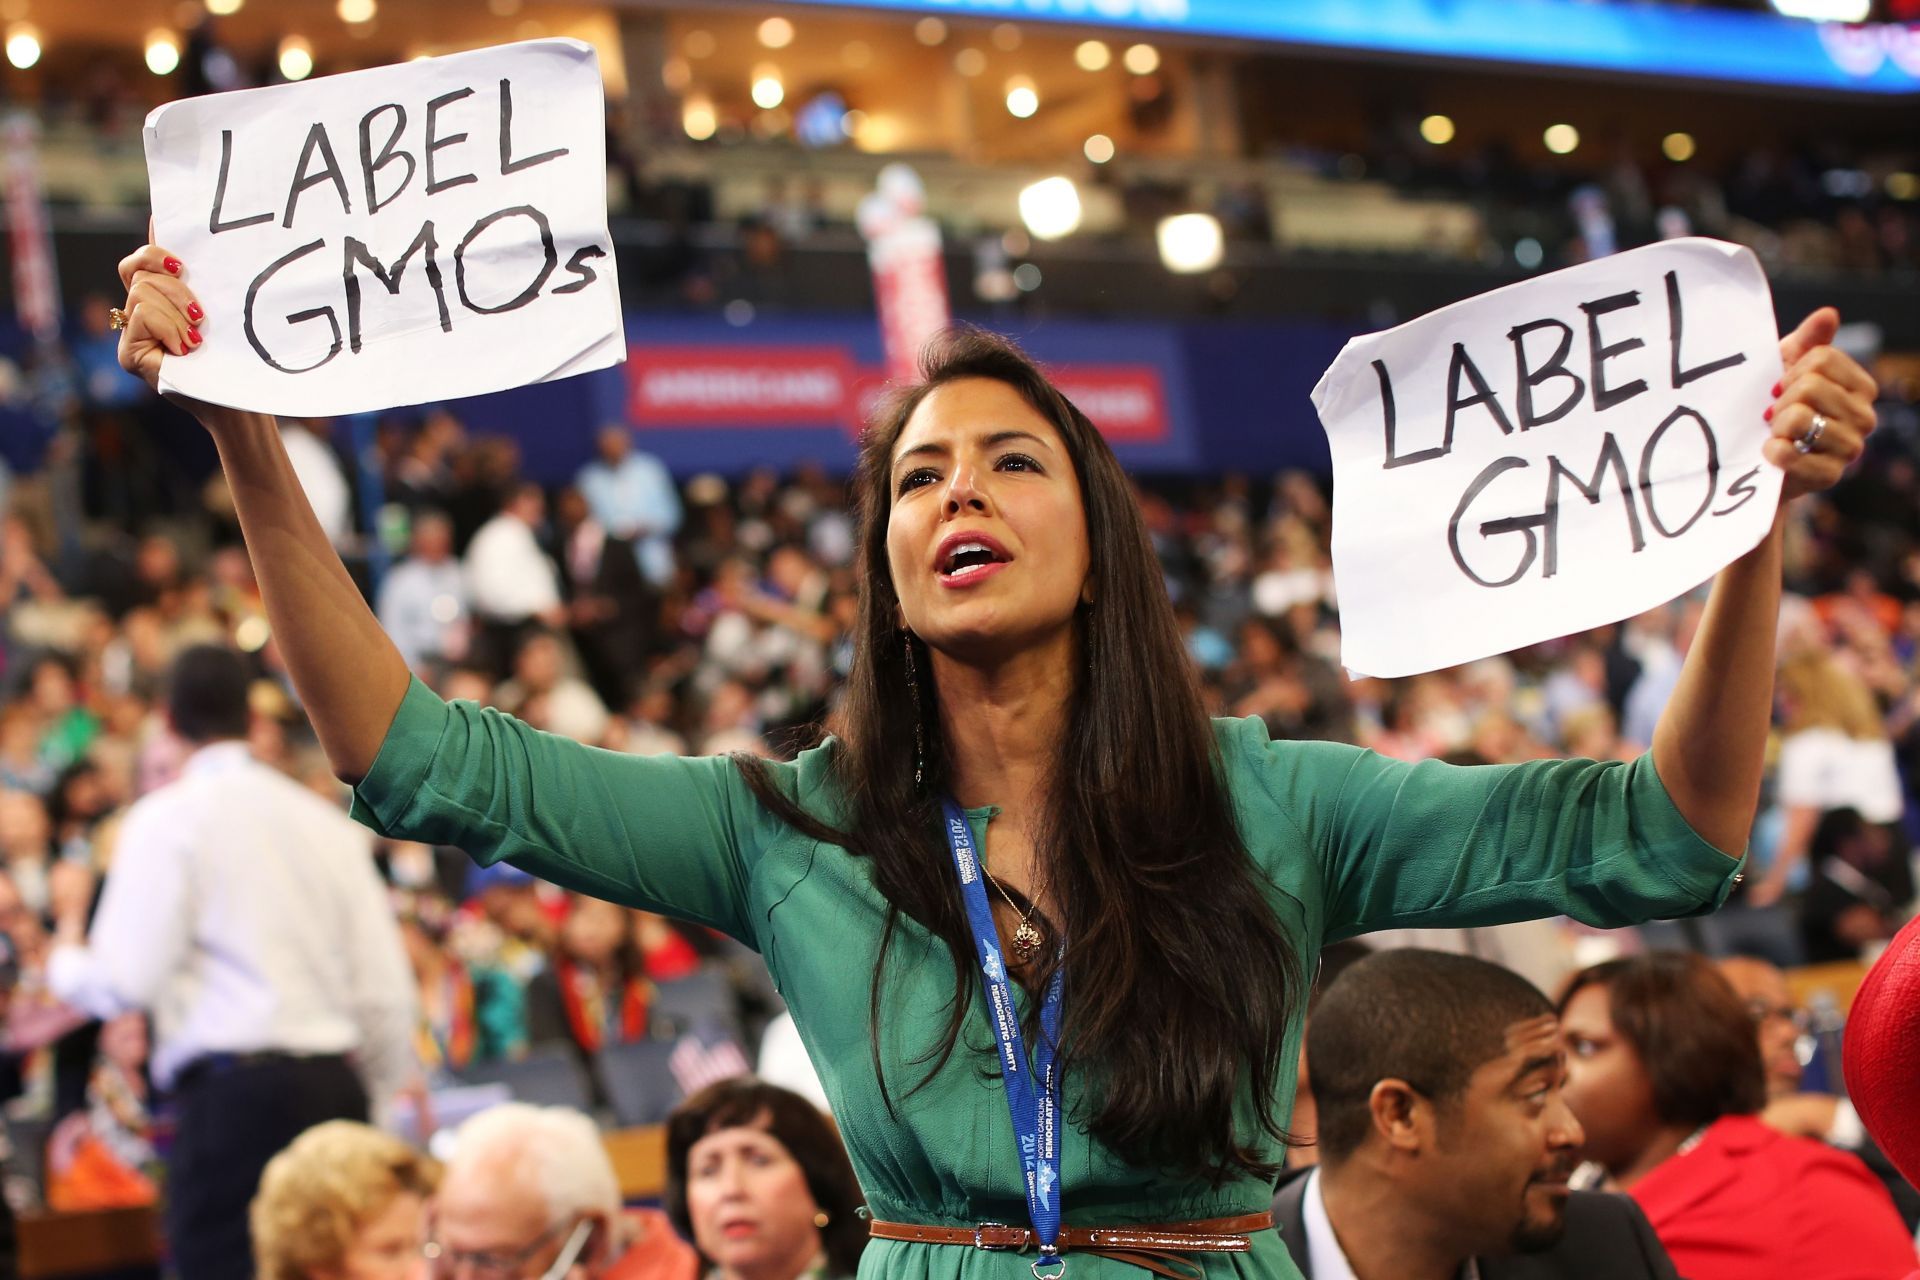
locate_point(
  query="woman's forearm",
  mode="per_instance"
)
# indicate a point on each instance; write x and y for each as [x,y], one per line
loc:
[1710,746]
[349,675]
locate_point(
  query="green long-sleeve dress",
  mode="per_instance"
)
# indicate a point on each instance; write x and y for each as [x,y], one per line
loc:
[1349,840]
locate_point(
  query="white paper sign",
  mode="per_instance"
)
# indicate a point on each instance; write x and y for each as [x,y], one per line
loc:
[392,236]
[1549,457]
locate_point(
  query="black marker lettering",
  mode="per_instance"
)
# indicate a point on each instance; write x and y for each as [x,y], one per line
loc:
[1527,379]
[577,264]
[532,290]
[1590,489]
[1393,425]
[317,140]
[214,225]
[1646,471]
[1744,487]
[1681,377]
[434,144]
[507,163]
[253,294]
[357,255]
[1513,524]
[371,164]
[1605,397]
[1482,394]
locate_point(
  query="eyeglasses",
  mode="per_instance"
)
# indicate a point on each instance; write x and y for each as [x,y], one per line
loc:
[509,1264]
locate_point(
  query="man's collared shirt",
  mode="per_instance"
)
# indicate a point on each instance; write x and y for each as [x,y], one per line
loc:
[246,914]
[1325,1258]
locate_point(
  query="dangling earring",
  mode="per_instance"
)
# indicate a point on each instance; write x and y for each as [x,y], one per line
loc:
[821,1219]
[919,730]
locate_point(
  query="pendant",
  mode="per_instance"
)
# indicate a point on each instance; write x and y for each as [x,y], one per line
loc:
[1026,941]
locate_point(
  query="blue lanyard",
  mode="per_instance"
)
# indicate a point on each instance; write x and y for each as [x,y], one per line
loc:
[1035,1111]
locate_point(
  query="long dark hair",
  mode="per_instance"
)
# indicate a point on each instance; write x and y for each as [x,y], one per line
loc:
[1180,980]
[800,1127]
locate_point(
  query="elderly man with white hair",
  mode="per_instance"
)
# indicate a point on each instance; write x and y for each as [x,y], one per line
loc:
[529,1194]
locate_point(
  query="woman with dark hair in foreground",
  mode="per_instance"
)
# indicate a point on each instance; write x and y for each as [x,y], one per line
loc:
[1025,798]
[758,1180]
[1665,1075]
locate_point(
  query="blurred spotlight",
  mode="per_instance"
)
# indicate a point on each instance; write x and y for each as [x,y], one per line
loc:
[354,12]
[1099,148]
[163,52]
[252,634]
[1825,10]
[698,119]
[858,54]
[1050,208]
[1026,277]
[224,8]
[698,44]
[1561,139]
[1678,147]
[1528,253]
[1006,37]
[1437,129]
[23,47]
[970,62]
[1093,55]
[768,92]
[296,58]
[1190,242]
[1141,59]
[738,313]
[1903,186]
[776,33]
[930,31]
[1022,98]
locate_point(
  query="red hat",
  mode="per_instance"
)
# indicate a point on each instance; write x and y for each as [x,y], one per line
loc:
[1882,1054]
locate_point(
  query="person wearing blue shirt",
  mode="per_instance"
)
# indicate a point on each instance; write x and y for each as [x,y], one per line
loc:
[632,496]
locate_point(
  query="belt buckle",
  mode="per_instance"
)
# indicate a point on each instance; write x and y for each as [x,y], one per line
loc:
[978,1243]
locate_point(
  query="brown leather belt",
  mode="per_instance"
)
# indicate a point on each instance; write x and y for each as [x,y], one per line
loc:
[1158,1247]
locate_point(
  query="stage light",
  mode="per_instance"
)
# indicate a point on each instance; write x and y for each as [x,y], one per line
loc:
[163,52]
[23,47]
[224,8]
[355,12]
[296,58]
[1093,55]
[768,92]
[698,119]
[1437,129]
[1141,59]
[1561,139]
[776,33]
[1190,242]
[930,31]
[1050,208]
[1825,10]
[1022,98]
[1678,147]
[1099,148]
[970,62]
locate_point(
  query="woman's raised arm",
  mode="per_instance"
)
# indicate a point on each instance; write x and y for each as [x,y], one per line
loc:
[350,677]
[1711,741]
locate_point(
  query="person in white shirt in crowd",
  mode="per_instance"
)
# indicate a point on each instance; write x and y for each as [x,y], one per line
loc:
[511,582]
[548,696]
[530,1192]
[246,915]
[423,599]
[318,469]
[632,496]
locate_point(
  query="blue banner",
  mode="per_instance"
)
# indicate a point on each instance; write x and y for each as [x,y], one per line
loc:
[1636,39]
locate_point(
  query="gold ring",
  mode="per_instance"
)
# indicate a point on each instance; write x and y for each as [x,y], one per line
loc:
[116,319]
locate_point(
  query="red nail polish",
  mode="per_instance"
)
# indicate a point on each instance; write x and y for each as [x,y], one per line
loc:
[1776,390]
[193,336]
[1765,417]
[173,265]
[194,312]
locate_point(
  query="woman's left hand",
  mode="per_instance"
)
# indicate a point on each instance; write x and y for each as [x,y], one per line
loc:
[1826,385]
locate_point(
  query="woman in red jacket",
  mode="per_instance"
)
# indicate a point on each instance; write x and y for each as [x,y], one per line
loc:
[1664,1072]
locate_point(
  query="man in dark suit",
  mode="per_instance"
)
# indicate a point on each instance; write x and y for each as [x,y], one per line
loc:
[611,606]
[1445,1145]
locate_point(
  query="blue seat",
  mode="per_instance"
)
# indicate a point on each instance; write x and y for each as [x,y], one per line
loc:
[550,1076]
[637,1080]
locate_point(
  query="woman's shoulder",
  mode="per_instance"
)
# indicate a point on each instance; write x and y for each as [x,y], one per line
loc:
[1247,747]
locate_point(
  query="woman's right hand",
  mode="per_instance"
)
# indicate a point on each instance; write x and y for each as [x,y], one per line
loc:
[163,316]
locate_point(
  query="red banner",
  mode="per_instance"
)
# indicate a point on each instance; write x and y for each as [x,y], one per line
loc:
[36,294]
[1126,401]
[740,386]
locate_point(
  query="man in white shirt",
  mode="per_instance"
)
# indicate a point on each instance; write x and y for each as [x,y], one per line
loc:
[511,582]
[1445,1143]
[317,468]
[245,913]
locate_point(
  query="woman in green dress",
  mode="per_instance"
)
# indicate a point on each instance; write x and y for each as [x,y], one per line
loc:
[1158,884]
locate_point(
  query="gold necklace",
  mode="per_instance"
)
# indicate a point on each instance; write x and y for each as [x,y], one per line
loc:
[1026,938]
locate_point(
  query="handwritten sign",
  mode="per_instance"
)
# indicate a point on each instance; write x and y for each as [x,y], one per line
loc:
[392,236]
[1551,456]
